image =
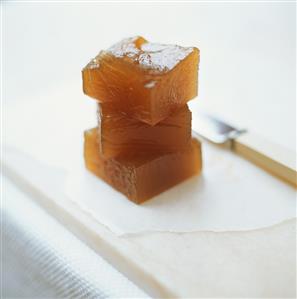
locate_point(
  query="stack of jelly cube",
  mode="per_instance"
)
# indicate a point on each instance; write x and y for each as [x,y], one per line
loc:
[142,145]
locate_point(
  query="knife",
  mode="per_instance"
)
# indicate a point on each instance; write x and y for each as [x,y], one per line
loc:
[275,159]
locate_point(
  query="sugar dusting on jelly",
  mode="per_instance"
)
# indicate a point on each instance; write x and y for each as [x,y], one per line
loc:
[152,56]
[150,84]
[94,63]
[126,47]
[162,57]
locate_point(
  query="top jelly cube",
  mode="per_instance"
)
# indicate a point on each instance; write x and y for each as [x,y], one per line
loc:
[147,81]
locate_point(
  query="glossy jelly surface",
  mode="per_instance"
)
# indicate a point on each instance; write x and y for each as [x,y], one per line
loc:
[142,176]
[147,81]
[121,134]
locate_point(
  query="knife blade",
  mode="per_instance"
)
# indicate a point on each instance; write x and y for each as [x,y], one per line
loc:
[277,160]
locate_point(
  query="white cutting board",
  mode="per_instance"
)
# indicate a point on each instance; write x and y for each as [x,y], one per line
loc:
[162,240]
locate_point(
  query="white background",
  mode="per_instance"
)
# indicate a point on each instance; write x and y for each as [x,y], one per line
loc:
[248,53]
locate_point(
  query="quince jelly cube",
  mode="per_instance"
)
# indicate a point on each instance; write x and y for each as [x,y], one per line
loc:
[147,81]
[142,176]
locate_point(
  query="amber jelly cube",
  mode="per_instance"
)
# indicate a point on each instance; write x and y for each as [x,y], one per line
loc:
[147,81]
[142,176]
[121,134]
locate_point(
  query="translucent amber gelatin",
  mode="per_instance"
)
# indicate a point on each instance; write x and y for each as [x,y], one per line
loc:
[147,81]
[121,134]
[142,176]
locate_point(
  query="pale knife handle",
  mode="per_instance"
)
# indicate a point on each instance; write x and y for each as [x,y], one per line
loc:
[274,158]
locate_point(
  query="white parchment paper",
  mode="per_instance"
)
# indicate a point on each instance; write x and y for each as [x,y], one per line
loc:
[231,194]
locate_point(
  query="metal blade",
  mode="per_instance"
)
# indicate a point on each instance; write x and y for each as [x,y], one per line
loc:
[213,129]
